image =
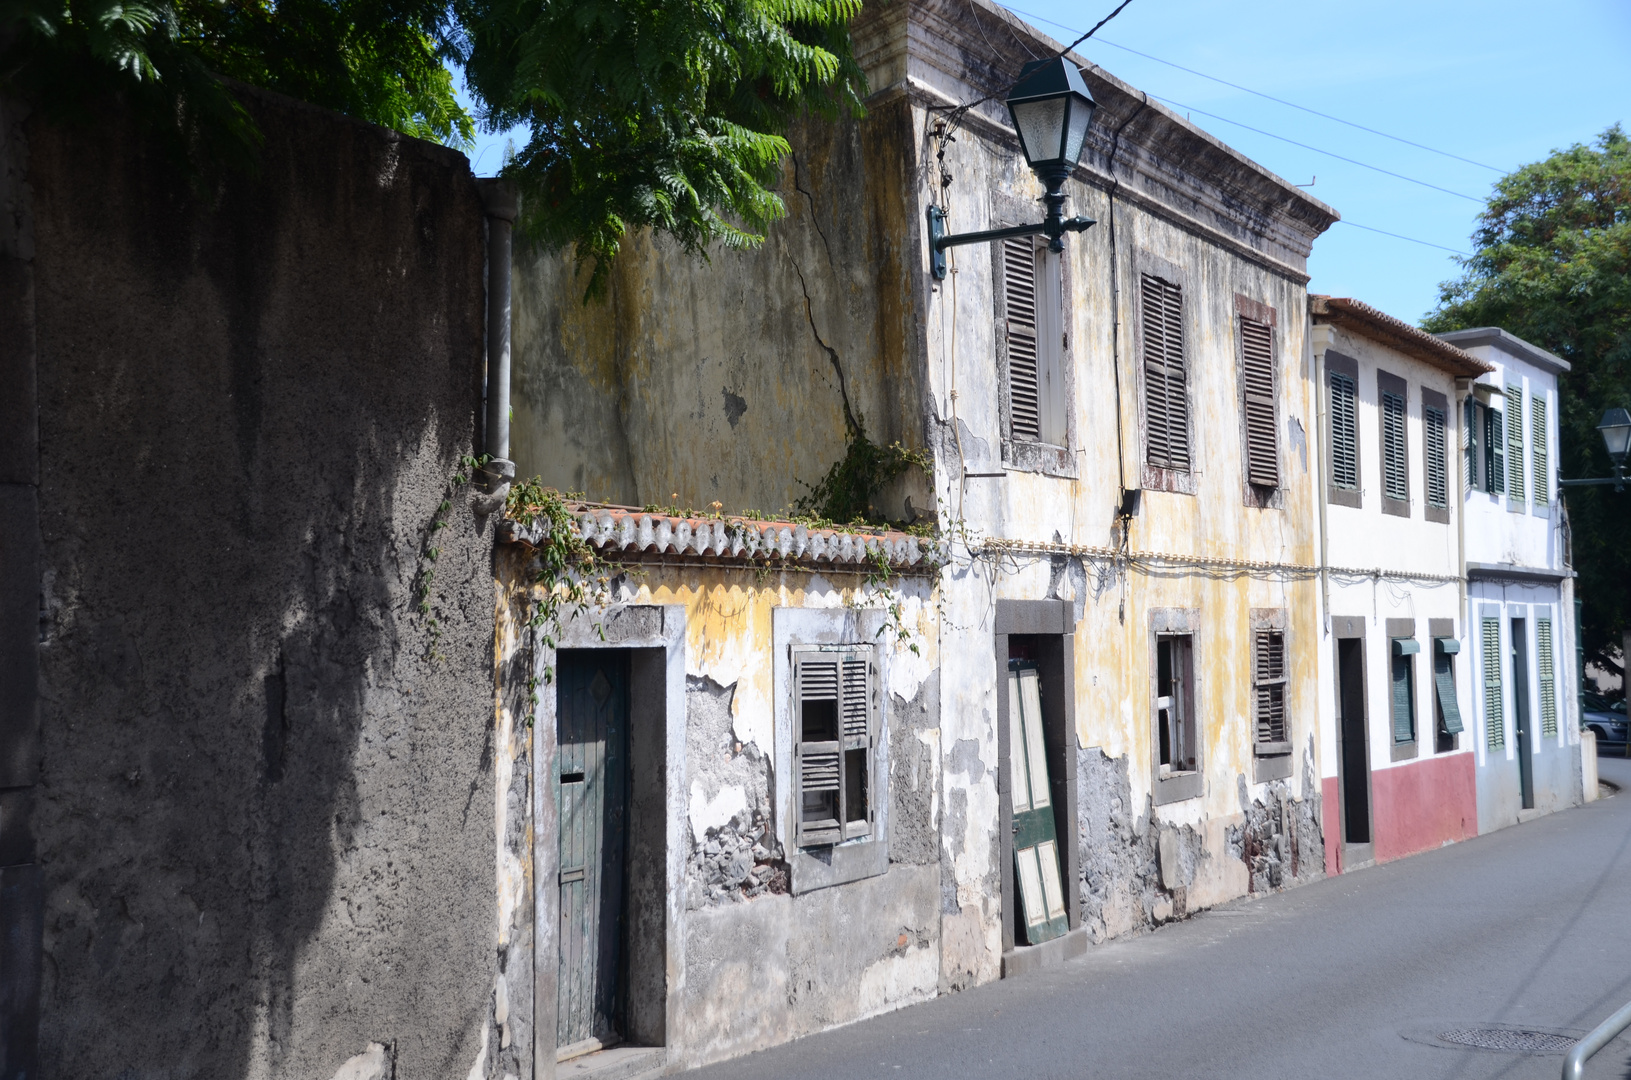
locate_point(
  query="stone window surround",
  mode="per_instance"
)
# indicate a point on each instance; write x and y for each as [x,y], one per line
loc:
[1191,785]
[853,860]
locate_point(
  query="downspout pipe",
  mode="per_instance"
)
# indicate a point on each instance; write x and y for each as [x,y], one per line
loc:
[501,204]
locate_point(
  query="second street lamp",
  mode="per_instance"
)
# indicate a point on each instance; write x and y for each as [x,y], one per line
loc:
[1052,111]
[1615,428]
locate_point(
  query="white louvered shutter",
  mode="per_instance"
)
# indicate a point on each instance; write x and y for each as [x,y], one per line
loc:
[1020,309]
[859,735]
[1258,404]
[818,749]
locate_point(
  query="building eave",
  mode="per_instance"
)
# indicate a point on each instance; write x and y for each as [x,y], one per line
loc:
[1508,343]
[1360,318]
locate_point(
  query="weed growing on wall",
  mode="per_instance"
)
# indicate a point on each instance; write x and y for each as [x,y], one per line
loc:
[848,493]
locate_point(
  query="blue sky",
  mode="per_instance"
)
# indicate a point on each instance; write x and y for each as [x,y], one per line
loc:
[1497,82]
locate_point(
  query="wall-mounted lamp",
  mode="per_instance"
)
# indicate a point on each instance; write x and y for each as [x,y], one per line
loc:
[1052,111]
[1615,428]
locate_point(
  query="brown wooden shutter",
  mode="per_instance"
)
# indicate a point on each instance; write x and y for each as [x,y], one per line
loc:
[1019,307]
[1269,678]
[1166,395]
[817,749]
[1258,404]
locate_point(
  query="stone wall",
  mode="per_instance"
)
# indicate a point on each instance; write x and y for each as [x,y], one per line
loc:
[265,800]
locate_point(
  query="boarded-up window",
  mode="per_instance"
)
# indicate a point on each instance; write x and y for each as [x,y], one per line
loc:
[1436,457]
[1539,450]
[1269,692]
[1494,452]
[1395,474]
[1404,689]
[1258,403]
[1494,720]
[1344,431]
[1166,390]
[1546,677]
[1514,442]
[836,715]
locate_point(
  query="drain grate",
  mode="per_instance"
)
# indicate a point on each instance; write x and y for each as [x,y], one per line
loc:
[1514,1040]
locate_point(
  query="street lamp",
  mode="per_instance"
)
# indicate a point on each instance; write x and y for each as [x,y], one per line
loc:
[1615,427]
[1052,110]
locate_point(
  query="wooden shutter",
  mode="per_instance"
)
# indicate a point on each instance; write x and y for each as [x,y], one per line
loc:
[1469,444]
[1344,431]
[1494,721]
[1540,450]
[1494,453]
[1548,682]
[1269,676]
[1404,702]
[1258,404]
[1166,393]
[1395,481]
[1436,458]
[1444,683]
[1019,294]
[1514,442]
[859,717]
[818,749]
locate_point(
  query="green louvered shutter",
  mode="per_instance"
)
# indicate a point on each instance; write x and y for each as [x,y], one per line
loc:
[1494,453]
[1404,704]
[1444,683]
[1514,442]
[1469,444]
[1436,458]
[1344,432]
[1538,453]
[1548,682]
[1494,721]
[1395,478]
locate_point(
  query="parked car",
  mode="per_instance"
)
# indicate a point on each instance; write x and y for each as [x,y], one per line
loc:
[1606,718]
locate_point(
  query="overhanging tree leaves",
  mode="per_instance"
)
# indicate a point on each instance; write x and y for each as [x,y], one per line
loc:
[669,114]
[1553,266]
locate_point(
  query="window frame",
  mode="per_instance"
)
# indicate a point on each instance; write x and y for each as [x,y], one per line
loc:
[1445,648]
[1337,495]
[1177,623]
[847,745]
[1390,385]
[1402,650]
[1165,477]
[1434,401]
[1272,759]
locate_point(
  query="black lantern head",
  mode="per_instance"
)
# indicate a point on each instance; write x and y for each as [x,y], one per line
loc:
[1052,110]
[1616,431]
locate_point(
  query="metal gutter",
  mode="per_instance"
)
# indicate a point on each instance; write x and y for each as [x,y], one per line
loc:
[502,204]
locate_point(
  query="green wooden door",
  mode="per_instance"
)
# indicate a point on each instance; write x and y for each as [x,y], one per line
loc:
[1036,846]
[591,800]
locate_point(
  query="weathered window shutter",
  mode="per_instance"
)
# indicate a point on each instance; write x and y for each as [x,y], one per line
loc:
[1258,404]
[1494,720]
[1540,452]
[1514,442]
[1494,453]
[1344,431]
[1547,679]
[1269,677]
[1166,393]
[1444,683]
[818,751]
[1395,479]
[1436,458]
[1019,293]
[1404,698]
[1469,443]
[860,733]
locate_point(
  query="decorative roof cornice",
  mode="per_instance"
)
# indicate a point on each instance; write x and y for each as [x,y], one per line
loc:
[626,532]
[1364,320]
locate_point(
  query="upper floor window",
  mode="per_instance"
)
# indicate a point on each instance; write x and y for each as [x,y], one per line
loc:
[1258,403]
[1166,376]
[1514,443]
[1538,451]
[1395,445]
[1342,381]
[1435,455]
[1032,341]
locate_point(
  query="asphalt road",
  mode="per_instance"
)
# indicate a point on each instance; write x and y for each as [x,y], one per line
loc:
[1349,977]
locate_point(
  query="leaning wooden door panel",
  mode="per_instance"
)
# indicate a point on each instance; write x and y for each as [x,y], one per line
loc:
[591,791]
[1043,915]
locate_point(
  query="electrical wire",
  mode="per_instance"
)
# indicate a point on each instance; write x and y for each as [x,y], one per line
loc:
[1317,150]
[1402,236]
[1269,97]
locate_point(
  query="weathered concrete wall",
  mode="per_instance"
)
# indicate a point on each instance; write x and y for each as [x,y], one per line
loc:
[733,379]
[266,796]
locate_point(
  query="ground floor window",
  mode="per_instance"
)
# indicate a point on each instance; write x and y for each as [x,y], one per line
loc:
[1174,703]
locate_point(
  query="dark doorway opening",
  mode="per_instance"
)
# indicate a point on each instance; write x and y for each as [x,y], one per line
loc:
[1520,712]
[1355,743]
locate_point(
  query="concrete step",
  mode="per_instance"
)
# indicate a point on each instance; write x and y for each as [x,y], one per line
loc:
[618,1063]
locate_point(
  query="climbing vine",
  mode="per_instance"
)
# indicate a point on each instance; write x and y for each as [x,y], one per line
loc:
[848,493]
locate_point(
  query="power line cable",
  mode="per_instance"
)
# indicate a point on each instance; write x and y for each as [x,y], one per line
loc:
[1271,97]
[1402,236]
[1317,150]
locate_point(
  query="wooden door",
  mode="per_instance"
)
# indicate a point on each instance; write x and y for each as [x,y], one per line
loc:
[1036,847]
[591,798]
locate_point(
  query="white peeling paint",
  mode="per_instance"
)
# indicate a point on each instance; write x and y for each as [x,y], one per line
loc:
[371,1064]
[478,1071]
[898,980]
[714,813]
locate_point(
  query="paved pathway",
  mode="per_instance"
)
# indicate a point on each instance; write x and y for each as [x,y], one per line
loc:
[1348,977]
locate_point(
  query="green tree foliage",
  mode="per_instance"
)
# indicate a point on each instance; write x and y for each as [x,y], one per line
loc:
[669,114]
[1553,266]
[377,60]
